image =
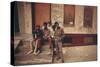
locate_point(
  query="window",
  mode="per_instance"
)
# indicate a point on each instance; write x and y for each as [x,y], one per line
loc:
[88,15]
[69,15]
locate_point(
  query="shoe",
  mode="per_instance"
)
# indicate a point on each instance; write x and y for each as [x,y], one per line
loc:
[36,53]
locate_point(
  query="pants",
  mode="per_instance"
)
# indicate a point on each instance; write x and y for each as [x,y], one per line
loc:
[49,39]
[38,43]
[58,46]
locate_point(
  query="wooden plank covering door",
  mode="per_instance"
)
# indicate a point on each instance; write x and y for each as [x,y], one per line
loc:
[42,13]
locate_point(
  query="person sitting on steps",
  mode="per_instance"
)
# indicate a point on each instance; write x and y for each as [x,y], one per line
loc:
[47,35]
[38,34]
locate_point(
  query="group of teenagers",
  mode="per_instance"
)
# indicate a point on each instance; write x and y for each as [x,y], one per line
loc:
[52,34]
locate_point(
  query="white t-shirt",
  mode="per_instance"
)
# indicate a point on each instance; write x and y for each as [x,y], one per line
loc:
[51,30]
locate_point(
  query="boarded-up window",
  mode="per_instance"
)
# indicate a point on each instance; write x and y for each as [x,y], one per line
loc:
[88,15]
[69,15]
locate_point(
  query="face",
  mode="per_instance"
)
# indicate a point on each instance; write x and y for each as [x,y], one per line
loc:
[45,25]
[57,25]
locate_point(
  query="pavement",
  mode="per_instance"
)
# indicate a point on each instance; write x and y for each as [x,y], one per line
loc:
[70,54]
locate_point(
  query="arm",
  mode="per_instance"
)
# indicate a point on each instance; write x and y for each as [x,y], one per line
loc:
[34,34]
[51,32]
[62,33]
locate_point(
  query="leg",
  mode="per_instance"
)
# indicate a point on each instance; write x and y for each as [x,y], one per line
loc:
[31,47]
[50,45]
[60,51]
[50,42]
[37,45]
[57,49]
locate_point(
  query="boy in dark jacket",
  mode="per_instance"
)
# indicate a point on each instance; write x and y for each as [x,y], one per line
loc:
[58,34]
[37,35]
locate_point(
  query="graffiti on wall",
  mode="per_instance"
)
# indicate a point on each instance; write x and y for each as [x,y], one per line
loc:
[57,13]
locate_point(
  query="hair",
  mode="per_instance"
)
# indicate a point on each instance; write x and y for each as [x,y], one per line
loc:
[45,23]
[56,23]
[54,26]
[37,26]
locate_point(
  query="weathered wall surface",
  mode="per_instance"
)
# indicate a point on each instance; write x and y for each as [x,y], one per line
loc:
[25,17]
[57,14]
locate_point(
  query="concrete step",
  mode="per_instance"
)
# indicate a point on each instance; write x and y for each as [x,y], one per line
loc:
[23,58]
[31,58]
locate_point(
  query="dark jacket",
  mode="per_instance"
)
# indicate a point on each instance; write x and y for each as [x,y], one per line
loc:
[38,33]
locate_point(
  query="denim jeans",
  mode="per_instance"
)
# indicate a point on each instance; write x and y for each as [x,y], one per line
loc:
[58,46]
